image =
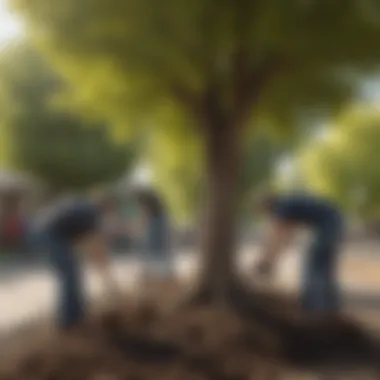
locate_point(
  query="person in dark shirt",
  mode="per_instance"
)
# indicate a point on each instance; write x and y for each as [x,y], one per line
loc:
[157,260]
[319,288]
[68,228]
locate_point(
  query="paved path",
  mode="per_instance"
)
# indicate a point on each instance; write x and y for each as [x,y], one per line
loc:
[27,296]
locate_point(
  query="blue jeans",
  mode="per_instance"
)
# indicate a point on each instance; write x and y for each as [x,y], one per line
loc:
[320,290]
[71,305]
[156,255]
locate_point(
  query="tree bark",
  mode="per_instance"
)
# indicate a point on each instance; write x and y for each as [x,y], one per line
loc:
[218,245]
[223,127]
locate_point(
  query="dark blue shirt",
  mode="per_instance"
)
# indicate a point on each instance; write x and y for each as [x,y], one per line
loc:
[72,220]
[309,210]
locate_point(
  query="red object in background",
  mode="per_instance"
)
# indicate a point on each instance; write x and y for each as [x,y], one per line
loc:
[13,230]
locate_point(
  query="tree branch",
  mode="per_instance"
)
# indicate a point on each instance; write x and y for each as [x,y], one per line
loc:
[250,84]
[191,101]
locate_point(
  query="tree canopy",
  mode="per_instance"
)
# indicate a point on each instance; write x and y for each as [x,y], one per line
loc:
[55,146]
[126,58]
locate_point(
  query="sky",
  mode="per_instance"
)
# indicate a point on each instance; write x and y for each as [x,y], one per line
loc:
[10,26]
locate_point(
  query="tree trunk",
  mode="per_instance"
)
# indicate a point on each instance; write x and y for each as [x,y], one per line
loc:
[218,245]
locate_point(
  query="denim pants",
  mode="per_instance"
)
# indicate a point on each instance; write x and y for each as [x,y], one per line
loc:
[156,255]
[67,268]
[320,290]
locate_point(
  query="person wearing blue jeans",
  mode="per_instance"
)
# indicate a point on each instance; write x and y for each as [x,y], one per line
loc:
[67,268]
[156,245]
[156,255]
[70,228]
[320,290]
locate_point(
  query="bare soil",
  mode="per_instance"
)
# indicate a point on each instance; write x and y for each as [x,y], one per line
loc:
[260,337]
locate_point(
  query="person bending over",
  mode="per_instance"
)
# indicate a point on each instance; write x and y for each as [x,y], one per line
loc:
[68,230]
[319,292]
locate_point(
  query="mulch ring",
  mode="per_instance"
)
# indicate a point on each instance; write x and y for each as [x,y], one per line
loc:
[148,340]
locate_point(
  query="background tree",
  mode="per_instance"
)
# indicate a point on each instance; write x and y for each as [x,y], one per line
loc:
[53,145]
[225,65]
[344,165]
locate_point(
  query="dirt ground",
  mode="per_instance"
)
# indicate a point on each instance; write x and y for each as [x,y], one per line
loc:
[361,270]
[141,340]
[152,341]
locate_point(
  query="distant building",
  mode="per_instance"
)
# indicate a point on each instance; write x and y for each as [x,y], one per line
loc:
[19,185]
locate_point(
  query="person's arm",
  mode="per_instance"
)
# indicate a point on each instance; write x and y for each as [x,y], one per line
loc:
[280,233]
[96,250]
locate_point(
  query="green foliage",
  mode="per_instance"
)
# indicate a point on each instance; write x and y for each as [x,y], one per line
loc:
[51,144]
[176,156]
[263,151]
[345,164]
[125,58]
[206,62]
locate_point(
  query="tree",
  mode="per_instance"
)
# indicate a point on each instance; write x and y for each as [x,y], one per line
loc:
[53,145]
[175,155]
[66,154]
[225,65]
[344,165]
